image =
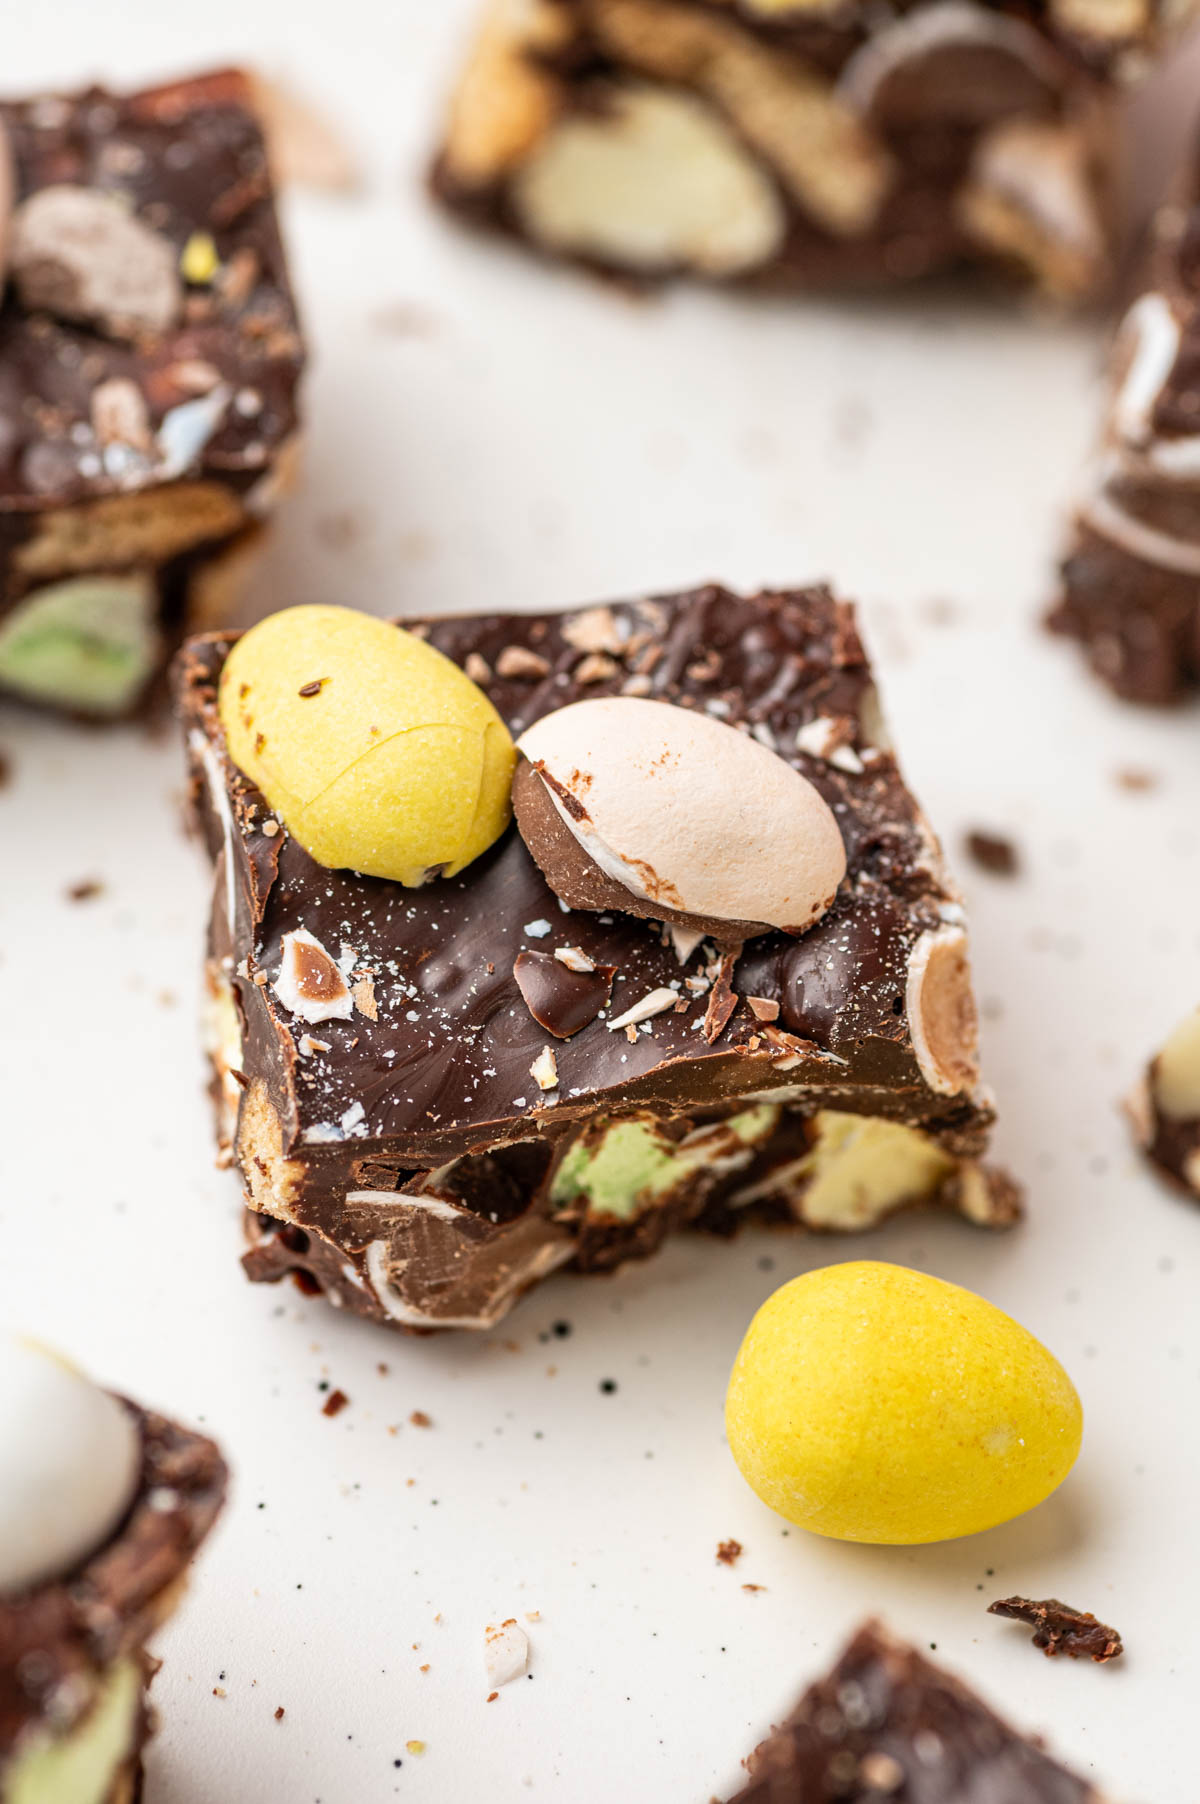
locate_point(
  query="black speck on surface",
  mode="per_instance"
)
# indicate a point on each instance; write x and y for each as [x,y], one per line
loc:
[561,1329]
[608,1386]
[766,1263]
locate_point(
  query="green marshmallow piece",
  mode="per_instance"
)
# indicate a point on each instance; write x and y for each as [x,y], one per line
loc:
[79,1767]
[633,1164]
[90,643]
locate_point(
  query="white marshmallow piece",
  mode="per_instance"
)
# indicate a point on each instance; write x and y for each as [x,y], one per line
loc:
[684,810]
[70,1456]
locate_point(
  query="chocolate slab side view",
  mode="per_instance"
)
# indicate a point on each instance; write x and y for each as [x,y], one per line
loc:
[886,1723]
[74,1669]
[480,1113]
[149,363]
[829,144]
[1131,581]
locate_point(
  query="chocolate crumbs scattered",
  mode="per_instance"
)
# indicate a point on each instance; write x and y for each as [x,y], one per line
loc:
[728,1552]
[310,689]
[1059,1629]
[335,1403]
[85,890]
[420,1420]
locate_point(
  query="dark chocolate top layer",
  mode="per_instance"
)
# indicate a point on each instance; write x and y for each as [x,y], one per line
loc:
[63,1631]
[888,1724]
[189,159]
[445,1066]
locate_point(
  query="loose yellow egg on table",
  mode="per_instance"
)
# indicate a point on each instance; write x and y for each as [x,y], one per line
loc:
[378,753]
[873,1403]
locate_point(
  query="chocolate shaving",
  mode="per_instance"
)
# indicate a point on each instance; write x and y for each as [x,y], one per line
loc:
[559,999]
[1059,1629]
[335,1403]
[722,999]
[728,1552]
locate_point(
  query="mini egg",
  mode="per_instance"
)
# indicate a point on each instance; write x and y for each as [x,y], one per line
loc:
[378,754]
[873,1403]
[70,1455]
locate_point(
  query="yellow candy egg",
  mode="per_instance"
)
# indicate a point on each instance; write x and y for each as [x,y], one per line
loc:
[376,751]
[873,1403]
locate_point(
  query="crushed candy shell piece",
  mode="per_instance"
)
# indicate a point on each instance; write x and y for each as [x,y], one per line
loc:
[505,1652]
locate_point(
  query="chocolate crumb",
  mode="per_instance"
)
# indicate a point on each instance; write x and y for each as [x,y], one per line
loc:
[992,852]
[727,1552]
[279,1714]
[1138,781]
[335,1403]
[763,1008]
[313,688]
[420,1420]
[1060,1629]
[492,1696]
[85,890]
[754,1587]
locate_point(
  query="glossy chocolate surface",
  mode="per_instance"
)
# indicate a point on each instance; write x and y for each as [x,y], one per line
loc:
[445,1067]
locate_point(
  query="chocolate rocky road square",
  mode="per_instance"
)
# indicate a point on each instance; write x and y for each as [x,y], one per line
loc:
[407,1160]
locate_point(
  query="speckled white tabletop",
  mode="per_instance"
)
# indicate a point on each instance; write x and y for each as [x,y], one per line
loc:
[486,433]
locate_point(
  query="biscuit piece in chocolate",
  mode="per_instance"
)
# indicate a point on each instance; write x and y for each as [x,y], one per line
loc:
[412,1162]
[150,356]
[1059,1629]
[887,1724]
[796,147]
[1131,579]
[74,1668]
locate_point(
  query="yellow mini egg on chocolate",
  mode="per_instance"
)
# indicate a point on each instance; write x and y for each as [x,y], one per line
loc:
[873,1403]
[377,752]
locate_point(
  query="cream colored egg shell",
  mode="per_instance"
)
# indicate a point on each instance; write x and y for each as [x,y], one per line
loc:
[684,810]
[70,1456]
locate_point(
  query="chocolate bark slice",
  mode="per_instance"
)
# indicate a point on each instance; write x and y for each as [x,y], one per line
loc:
[74,1670]
[149,362]
[1131,580]
[1165,1107]
[521,1086]
[821,145]
[887,1724]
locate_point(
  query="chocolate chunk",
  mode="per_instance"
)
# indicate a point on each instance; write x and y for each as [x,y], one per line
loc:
[993,852]
[1058,1629]
[559,999]
[885,1724]
[799,146]
[151,423]
[1130,589]
[417,1170]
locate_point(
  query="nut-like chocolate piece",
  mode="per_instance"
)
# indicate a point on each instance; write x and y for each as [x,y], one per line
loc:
[80,254]
[668,814]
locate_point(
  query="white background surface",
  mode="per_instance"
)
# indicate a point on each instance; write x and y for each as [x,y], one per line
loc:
[530,438]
